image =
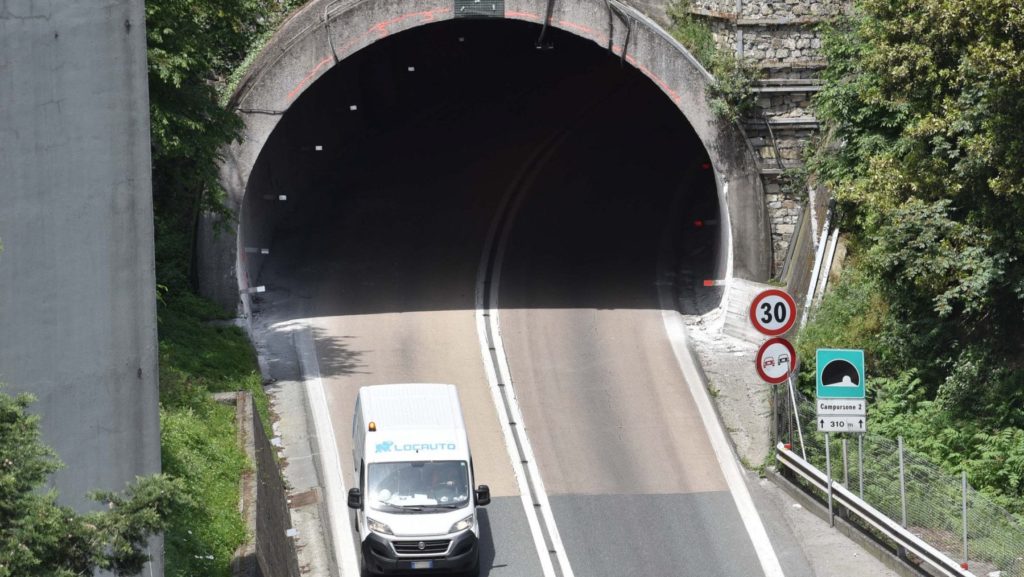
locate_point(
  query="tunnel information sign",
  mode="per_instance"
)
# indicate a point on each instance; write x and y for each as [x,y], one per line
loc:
[840,403]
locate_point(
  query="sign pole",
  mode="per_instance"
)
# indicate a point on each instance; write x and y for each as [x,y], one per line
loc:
[796,415]
[828,475]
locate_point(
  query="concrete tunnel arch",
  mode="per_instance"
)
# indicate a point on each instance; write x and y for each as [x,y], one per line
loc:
[326,32]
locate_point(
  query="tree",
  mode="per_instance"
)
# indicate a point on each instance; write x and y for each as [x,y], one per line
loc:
[39,537]
[922,104]
[921,108]
[193,46]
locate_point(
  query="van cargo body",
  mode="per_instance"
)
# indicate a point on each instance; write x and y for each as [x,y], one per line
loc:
[415,507]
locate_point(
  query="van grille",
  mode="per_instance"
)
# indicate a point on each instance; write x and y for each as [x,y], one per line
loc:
[435,547]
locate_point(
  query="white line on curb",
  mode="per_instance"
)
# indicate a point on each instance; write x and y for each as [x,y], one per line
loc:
[334,483]
[676,332]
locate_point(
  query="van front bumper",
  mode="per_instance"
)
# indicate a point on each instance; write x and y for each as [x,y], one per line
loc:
[379,557]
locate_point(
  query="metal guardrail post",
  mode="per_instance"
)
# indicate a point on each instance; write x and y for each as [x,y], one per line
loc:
[903,539]
[903,495]
[828,476]
[846,469]
[796,415]
[860,462]
[903,483]
[963,475]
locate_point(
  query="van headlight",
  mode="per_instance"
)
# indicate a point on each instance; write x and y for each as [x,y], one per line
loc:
[462,525]
[378,527]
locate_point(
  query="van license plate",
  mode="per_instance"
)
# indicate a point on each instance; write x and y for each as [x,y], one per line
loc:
[422,564]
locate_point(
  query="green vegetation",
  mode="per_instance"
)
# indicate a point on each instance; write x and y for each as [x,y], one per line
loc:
[922,107]
[194,47]
[198,435]
[39,538]
[730,95]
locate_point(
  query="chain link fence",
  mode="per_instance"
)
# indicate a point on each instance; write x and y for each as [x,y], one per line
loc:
[906,487]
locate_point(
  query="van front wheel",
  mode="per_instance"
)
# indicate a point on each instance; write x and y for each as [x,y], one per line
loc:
[473,571]
[364,571]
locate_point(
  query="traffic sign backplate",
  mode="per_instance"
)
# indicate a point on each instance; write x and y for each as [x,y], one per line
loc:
[825,407]
[842,424]
[840,373]
[773,312]
[775,360]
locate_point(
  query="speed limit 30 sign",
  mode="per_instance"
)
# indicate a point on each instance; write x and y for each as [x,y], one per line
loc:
[773,312]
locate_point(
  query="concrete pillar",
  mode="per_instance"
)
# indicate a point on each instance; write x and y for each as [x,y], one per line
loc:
[77,288]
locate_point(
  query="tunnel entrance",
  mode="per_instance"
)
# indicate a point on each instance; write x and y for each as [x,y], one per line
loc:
[419,95]
[415,140]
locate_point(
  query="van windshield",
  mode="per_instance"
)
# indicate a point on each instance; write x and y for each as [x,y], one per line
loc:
[417,485]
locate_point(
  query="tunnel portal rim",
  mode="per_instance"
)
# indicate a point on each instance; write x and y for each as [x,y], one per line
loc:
[737,179]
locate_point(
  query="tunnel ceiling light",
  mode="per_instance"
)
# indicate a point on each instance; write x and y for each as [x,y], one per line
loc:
[353,107]
[412,69]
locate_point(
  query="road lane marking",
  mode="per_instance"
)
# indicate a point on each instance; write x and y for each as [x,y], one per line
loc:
[546,538]
[695,379]
[335,496]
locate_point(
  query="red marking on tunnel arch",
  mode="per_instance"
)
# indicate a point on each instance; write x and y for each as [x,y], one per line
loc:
[523,16]
[302,83]
[383,29]
[657,79]
[617,49]
[380,30]
[579,27]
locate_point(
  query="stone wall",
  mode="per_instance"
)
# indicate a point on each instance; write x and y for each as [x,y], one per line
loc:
[771,9]
[782,39]
[270,552]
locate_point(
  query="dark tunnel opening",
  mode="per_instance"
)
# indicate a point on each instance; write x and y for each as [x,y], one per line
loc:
[394,164]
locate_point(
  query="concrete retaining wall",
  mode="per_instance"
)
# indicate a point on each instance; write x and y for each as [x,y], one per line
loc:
[271,551]
[77,287]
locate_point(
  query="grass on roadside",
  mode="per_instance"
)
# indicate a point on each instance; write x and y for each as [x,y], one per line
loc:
[199,356]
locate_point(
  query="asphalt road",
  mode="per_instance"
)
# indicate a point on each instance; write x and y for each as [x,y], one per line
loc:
[633,480]
[382,257]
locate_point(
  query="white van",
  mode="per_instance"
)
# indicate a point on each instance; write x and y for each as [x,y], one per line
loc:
[415,506]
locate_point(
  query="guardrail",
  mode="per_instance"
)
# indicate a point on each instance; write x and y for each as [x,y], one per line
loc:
[856,506]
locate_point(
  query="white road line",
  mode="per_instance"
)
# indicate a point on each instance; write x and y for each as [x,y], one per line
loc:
[506,431]
[675,329]
[334,483]
[487,320]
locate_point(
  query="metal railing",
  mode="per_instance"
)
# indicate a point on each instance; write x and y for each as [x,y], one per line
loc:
[924,513]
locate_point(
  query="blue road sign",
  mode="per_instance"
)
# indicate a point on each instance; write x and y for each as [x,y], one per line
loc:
[840,373]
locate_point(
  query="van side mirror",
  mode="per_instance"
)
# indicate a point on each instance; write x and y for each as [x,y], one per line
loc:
[355,499]
[483,495]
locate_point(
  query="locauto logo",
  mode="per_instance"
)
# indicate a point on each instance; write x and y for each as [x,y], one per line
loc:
[389,446]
